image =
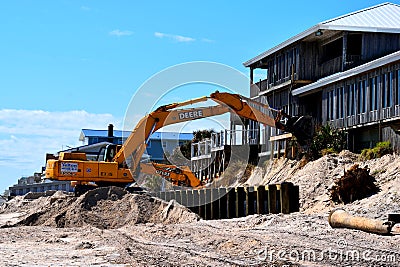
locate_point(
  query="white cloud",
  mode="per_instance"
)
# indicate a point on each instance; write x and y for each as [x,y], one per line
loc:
[27,135]
[178,38]
[85,8]
[120,33]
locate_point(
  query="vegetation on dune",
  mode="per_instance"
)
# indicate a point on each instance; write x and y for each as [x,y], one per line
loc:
[381,149]
[327,140]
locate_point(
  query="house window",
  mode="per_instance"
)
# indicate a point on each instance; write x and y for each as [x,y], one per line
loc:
[164,144]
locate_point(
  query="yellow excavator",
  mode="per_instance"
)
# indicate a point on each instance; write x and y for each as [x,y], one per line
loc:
[114,170]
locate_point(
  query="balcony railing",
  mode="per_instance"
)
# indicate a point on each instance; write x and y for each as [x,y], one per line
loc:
[330,67]
[368,117]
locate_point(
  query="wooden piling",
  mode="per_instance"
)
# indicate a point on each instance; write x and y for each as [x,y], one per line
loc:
[272,196]
[196,201]
[295,199]
[249,192]
[184,198]
[202,201]
[168,196]
[223,203]
[214,203]
[260,199]
[177,196]
[231,203]
[162,195]
[240,202]
[207,204]
[189,198]
[285,197]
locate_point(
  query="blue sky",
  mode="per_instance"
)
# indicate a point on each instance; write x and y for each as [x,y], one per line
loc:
[68,65]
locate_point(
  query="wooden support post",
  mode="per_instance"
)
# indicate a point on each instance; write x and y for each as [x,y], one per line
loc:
[279,149]
[251,75]
[249,191]
[285,197]
[223,203]
[272,150]
[231,203]
[214,203]
[272,196]
[293,151]
[240,200]
[344,51]
[261,207]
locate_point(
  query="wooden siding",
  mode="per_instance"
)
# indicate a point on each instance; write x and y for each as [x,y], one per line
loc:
[376,45]
[309,57]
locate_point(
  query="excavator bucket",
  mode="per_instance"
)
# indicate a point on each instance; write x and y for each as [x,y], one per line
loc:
[302,127]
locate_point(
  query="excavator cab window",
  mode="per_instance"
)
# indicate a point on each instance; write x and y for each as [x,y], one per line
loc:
[110,152]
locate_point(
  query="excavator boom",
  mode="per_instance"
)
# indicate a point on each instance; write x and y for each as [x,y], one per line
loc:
[76,168]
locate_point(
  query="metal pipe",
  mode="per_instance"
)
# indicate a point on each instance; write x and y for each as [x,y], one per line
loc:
[339,218]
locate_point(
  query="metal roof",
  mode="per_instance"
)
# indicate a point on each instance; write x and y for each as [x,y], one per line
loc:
[119,134]
[347,74]
[384,17]
[101,133]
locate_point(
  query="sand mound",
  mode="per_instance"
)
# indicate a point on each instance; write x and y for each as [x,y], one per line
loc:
[104,208]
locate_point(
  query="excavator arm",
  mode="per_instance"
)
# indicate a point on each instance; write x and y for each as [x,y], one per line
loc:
[75,167]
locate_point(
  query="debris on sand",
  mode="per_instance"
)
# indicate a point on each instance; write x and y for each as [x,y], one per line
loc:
[355,184]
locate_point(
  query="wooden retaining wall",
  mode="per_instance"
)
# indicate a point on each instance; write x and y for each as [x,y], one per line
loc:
[234,202]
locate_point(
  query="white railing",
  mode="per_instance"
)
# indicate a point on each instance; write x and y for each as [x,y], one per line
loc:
[373,116]
[397,110]
[386,113]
